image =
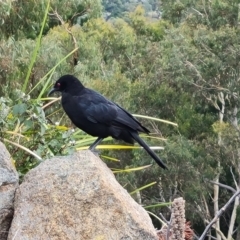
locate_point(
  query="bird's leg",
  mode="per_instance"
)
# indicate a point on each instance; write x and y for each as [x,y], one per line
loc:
[93,146]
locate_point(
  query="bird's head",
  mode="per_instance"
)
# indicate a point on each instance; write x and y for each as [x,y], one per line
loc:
[68,84]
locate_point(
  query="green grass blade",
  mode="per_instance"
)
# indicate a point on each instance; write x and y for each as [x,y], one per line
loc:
[130,169]
[49,103]
[155,119]
[23,148]
[16,134]
[36,49]
[117,147]
[46,84]
[159,219]
[152,137]
[144,187]
[158,205]
[110,158]
[53,69]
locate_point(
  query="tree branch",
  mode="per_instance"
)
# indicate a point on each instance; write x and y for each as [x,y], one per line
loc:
[223,185]
[219,213]
[234,179]
[68,29]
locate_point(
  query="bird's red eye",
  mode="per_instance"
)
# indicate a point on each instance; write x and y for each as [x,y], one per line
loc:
[58,84]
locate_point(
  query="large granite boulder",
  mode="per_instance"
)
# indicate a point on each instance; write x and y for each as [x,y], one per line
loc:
[77,197]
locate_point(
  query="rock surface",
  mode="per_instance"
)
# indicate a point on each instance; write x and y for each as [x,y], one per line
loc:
[77,197]
[8,185]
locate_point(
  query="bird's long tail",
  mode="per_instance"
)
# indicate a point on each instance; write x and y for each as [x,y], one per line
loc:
[149,151]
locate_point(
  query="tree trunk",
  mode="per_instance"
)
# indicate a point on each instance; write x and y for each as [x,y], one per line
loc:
[216,207]
[216,187]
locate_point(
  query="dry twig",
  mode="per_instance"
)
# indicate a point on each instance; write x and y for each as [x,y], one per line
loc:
[219,213]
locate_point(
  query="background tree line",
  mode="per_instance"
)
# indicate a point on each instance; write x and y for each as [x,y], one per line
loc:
[174,60]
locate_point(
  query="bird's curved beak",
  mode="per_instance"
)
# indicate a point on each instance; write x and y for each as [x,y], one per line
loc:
[52,91]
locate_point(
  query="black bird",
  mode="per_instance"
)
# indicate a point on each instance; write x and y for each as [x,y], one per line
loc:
[98,116]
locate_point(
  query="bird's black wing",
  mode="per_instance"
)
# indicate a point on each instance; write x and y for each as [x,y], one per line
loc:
[99,109]
[101,113]
[134,121]
[96,108]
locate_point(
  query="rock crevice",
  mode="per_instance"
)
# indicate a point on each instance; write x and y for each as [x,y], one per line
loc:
[8,184]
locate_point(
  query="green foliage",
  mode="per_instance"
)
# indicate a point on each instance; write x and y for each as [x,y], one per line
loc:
[118,8]
[25,123]
[23,18]
[213,14]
